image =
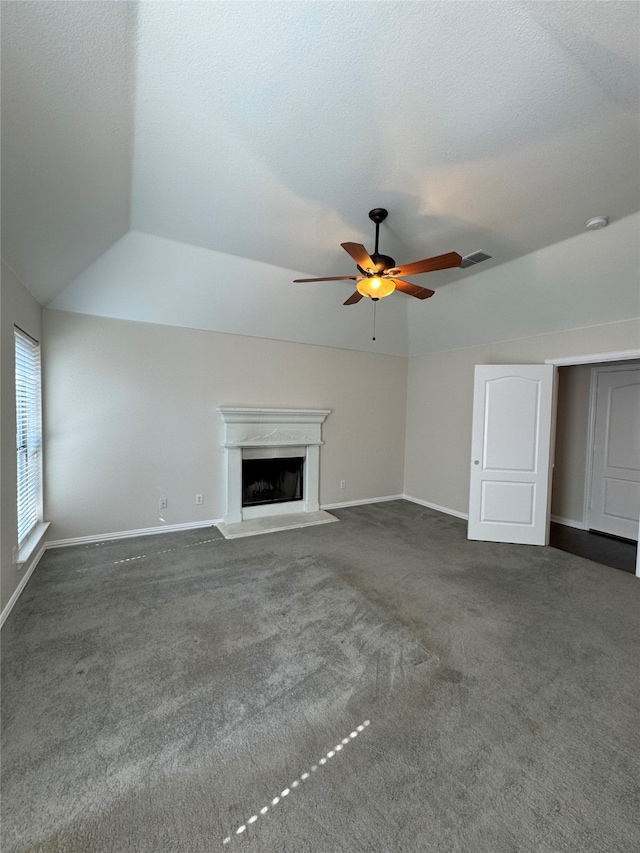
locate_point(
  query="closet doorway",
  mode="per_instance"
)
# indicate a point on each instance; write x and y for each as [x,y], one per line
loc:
[590,436]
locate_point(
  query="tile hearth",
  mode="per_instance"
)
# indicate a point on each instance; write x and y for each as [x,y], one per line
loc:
[274,523]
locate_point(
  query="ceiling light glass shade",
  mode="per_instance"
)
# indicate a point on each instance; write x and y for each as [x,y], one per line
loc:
[375,287]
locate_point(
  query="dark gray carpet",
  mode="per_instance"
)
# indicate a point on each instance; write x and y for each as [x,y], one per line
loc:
[159,692]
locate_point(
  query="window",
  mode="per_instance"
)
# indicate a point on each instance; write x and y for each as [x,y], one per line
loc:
[28,434]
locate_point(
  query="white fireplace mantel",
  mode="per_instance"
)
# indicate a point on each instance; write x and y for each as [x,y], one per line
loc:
[257,432]
[270,416]
[272,427]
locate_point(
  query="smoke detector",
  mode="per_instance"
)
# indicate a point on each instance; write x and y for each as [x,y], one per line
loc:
[596,222]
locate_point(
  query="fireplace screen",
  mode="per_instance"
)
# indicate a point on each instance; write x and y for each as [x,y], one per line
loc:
[270,481]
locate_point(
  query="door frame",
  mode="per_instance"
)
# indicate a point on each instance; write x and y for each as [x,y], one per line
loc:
[597,358]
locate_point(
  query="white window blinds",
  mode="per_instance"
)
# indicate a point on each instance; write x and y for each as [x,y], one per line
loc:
[28,434]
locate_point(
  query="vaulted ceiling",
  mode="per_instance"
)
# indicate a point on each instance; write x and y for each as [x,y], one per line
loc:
[249,139]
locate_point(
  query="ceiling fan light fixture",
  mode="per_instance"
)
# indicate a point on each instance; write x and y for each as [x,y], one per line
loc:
[375,287]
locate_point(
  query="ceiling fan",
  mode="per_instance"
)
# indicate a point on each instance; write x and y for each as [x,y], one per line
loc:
[379,274]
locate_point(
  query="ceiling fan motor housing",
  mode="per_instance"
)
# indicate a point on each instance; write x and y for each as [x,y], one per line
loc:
[382,262]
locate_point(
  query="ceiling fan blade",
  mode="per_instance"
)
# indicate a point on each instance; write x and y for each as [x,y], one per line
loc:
[355,297]
[360,256]
[440,262]
[413,289]
[331,278]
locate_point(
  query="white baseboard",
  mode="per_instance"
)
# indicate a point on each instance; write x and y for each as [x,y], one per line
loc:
[18,590]
[128,534]
[427,504]
[362,502]
[437,507]
[569,522]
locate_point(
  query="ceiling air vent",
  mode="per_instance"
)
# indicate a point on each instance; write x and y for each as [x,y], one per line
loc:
[474,258]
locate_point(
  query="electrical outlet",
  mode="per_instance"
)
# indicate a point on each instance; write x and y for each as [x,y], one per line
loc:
[198,500]
[163,503]
[343,483]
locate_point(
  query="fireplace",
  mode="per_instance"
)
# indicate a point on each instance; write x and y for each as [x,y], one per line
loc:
[292,437]
[272,481]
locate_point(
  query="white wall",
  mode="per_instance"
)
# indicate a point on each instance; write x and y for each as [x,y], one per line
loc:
[440,397]
[155,280]
[131,416]
[17,308]
[585,281]
[588,280]
[578,297]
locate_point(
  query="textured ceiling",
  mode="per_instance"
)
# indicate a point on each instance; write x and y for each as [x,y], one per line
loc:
[67,136]
[268,130]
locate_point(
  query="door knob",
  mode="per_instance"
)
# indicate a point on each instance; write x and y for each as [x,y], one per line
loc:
[476,461]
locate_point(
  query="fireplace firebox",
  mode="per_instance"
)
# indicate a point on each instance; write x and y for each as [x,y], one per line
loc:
[271,481]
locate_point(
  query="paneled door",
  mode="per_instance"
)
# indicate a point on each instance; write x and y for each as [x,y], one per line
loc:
[511,449]
[614,505]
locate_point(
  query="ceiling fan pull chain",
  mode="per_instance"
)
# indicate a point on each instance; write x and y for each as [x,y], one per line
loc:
[375,305]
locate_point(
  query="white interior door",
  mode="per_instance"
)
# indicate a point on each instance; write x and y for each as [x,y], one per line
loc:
[513,417]
[614,505]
